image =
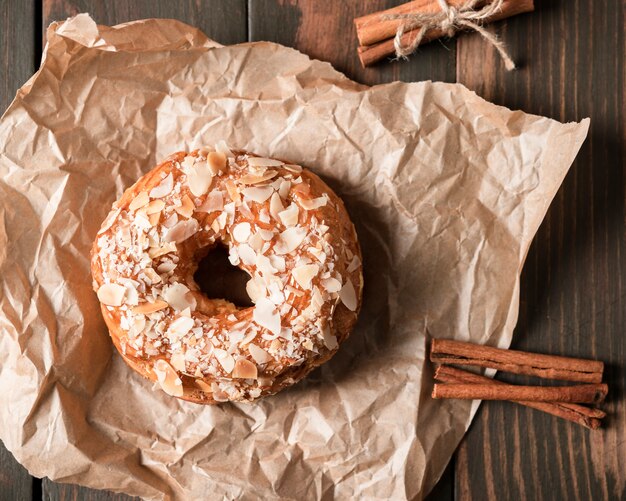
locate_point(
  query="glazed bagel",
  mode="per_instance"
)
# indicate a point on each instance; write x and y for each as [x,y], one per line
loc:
[281,224]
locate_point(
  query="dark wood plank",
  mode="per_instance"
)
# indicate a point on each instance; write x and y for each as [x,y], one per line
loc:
[224,21]
[573,284]
[17,64]
[324,29]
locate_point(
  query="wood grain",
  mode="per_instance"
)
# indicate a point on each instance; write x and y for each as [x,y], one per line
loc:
[573,286]
[17,63]
[325,30]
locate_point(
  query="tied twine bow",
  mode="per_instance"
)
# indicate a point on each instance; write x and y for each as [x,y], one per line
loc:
[449,19]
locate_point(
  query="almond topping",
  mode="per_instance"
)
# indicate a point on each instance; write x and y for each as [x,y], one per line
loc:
[139,201]
[111,294]
[226,361]
[276,206]
[108,222]
[217,162]
[259,354]
[164,188]
[289,216]
[179,297]
[214,202]
[241,232]
[187,207]
[290,240]
[154,219]
[244,369]
[314,203]
[232,191]
[304,274]
[331,285]
[258,195]
[354,264]
[253,179]
[263,162]
[199,179]
[178,362]
[330,341]
[206,388]
[181,231]
[348,296]
[266,315]
[145,308]
[168,378]
[293,168]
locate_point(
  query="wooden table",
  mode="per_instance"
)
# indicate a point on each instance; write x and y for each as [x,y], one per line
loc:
[573,296]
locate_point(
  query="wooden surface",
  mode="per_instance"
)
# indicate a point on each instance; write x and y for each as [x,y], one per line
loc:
[573,289]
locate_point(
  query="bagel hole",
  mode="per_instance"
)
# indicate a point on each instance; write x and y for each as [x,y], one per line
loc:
[218,279]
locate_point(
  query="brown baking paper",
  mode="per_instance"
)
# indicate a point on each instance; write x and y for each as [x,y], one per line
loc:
[446,191]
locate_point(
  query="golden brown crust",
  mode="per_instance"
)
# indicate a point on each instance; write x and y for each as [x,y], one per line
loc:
[283,225]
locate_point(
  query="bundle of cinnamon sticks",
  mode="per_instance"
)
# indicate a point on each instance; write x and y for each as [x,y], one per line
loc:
[561,401]
[376,31]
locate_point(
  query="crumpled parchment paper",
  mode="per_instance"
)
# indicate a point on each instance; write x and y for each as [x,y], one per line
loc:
[446,191]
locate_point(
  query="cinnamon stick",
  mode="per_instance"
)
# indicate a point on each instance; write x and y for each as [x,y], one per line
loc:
[446,351]
[582,394]
[585,416]
[376,34]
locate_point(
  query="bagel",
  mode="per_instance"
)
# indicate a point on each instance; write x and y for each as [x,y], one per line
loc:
[280,223]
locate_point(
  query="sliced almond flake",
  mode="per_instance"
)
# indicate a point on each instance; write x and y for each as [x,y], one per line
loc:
[205,387]
[216,161]
[164,188]
[154,219]
[181,231]
[314,203]
[145,308]
[244,369]
[213,202]
[308,344]
[256,242]
[166,267]
[111,294]
[304,274]
[178,361]
[298,180]
[255,289]
[199,179]
[178,296]
[322,228]
[241,232]
[264,216]
[186,208]
[152,275]
[276,295]
[289,216]
[348,295]
[317,301]
[331,285]
[354,264]
[263,162]
[171,220]
[222,147]
[233,256]
[181,326]
[296,169]
[155,206]
[226,361]
[215,225]
[139,201]
[284,188]
[108,222]
[277,262]
[330,341]
[256,179]
[155,252]
[246,254]
[245,211]
[276,206]
[266,235]
[265,315]
[290,240]
[257,194]
[132,296]
[187,163]
[233,193]
[168,378]
[264,265]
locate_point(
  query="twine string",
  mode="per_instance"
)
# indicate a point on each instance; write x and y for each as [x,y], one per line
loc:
[449,19]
